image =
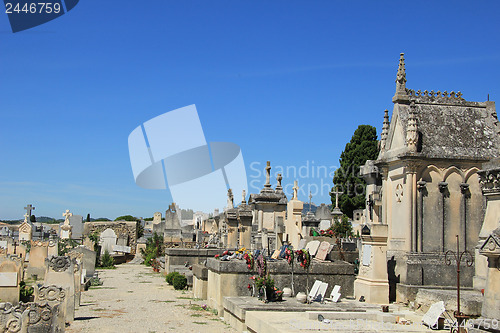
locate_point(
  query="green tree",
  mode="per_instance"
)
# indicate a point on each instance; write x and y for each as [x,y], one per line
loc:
[139,229]
[342,227]
[32,218]
[88,217]
[362,147]
[126,218]
[153,250]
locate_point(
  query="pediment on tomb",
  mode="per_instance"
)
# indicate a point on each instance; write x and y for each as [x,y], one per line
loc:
[491,246]
[25,228]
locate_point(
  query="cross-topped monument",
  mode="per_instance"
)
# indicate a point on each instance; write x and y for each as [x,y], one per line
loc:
[336,193]
[66,216]
[310,200]
[28,209]
[26,217]
[268,174]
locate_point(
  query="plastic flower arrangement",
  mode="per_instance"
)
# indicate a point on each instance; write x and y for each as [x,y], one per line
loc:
[304,258]
[249,260]
[289,255]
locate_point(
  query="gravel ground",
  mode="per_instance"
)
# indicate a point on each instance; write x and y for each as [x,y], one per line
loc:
[135,299]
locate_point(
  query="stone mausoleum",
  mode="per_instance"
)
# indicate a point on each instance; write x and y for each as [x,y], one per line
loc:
[425,187]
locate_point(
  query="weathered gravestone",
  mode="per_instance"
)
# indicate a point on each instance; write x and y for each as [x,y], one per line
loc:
[323,250]
[60,272]
[53,295]
[88,260]
[3,244]
[52,250]
[40,318]
[302,244]
[11,274]
[107,240]
[312,247]
[76,223]
[38,253]
[77,257]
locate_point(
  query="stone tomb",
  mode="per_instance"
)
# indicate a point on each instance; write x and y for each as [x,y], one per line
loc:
[30,317]
[231,278]
[38,253]
[11,274]
[53,296]
[88,260]
[60,272]
[108,240]
[53,249]
[76,223]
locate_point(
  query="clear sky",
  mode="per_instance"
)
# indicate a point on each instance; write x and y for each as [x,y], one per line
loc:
[287,80]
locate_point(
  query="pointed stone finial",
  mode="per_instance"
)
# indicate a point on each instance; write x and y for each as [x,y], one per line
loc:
[268,174]
[310,200]
[401,94]
[279,179]
[412,129]
[385,130]
[230,199]
[295,190]
[244,197]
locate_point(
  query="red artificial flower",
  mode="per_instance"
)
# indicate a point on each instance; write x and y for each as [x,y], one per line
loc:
[249,286]
[216,256]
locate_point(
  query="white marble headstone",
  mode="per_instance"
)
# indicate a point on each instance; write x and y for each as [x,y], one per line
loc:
[432,315]
[312,247]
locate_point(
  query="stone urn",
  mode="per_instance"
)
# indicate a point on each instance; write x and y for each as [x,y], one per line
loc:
[301,297]
[287,292]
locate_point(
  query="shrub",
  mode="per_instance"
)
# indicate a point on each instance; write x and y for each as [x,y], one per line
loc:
[107,260]
[179,282]
[25,292]
[170,277]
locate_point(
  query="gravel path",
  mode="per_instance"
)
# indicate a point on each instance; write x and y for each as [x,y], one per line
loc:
[135,299]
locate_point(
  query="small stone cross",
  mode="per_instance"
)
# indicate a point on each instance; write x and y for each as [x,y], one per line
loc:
[310,200]
[337,193]
[66,216]
[29,208]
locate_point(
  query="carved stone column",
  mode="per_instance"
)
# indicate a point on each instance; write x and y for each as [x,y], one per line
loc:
[421,186]
[443,188]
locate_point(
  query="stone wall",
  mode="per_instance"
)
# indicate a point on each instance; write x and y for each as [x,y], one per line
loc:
[119,227]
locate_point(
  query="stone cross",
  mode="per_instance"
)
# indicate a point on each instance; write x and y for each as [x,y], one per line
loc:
[337,193]
[66,216]
[268,174]
[310,200]
[243,197]
[26,217]
[295,189]
[29,208]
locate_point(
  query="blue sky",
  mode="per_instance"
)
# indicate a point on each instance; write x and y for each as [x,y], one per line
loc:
[288,81]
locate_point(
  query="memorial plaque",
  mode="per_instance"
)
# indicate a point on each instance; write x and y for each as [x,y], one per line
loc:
[121,248]
[432,315]
[276,254]
[335,294]
[312,247]
[367,254]
[3,244]
[8,279]
[323,250]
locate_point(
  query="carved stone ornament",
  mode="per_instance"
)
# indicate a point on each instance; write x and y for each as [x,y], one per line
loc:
[59,263]
[51,293]
[399,192]
[489,181]
[39,314]
[11,317]
[39,244]
[52,243]
[491,246]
